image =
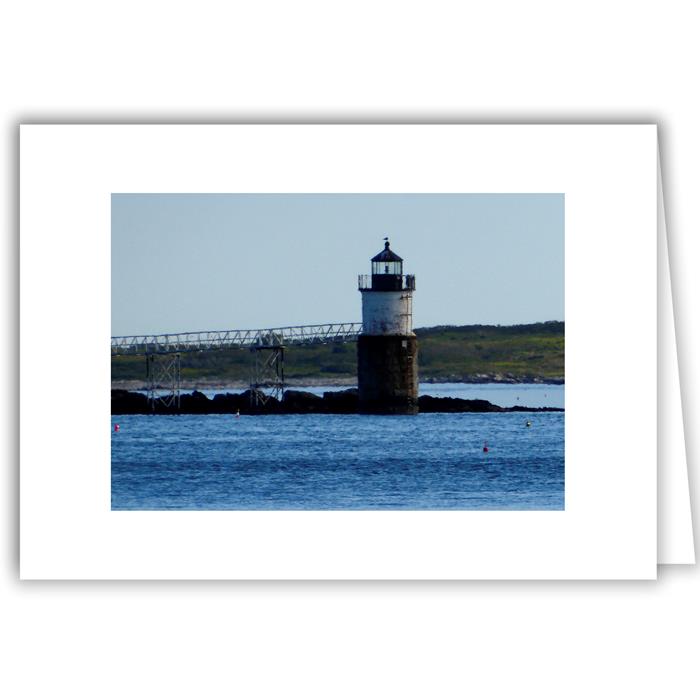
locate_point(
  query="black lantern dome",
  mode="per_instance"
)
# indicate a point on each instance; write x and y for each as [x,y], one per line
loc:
[387,273]
[387,262]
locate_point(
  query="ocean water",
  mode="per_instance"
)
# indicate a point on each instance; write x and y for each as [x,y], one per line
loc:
[339,462]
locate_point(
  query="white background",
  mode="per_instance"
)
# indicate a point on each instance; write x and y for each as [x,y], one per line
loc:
[609,525]
[506,62]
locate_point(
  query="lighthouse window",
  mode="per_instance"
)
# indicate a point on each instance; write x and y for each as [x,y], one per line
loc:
[387,268]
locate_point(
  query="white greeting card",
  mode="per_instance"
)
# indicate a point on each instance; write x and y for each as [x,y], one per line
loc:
[572,495]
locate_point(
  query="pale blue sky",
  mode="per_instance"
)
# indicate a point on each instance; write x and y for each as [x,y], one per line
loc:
[188,262]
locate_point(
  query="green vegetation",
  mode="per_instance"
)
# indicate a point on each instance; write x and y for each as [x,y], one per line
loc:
[532,350]
[444,352]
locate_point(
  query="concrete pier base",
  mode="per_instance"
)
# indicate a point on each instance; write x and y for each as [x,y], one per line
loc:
[387,374]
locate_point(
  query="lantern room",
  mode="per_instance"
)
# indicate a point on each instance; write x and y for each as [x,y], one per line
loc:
[387,262]
[387,273]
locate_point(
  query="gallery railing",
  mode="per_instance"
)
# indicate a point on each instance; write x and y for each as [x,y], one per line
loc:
[386,283]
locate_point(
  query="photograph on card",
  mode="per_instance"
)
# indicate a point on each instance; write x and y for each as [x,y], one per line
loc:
[302,351]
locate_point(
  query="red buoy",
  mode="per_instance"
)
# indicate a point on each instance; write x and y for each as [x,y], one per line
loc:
[486,447]
[116,427]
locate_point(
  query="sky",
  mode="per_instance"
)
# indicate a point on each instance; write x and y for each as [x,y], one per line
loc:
[196,262]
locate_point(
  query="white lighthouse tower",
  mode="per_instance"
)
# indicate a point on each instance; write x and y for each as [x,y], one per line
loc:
[387,349]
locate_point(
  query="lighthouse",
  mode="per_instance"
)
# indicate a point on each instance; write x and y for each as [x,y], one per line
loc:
[387,349]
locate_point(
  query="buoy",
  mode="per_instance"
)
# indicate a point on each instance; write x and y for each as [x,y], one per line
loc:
[528,424]
[486,447]
[238,413]
[116,427]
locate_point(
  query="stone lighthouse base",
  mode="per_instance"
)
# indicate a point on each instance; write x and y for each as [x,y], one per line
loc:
[387,374]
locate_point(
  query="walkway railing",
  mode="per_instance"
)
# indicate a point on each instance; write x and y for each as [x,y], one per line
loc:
[386,283]
[218,340]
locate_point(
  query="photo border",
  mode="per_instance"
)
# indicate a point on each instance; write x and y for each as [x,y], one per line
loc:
[608,176]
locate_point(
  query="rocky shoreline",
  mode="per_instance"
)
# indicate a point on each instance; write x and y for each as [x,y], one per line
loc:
[332,402]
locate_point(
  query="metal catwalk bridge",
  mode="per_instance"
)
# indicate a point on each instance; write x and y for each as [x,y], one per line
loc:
[222,340]
[162,354]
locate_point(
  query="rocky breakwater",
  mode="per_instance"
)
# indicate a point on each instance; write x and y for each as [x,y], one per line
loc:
[130,403]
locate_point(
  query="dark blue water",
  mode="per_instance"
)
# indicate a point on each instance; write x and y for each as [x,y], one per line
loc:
[331,462]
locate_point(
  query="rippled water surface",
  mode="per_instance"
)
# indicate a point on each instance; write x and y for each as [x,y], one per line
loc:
[335,462]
